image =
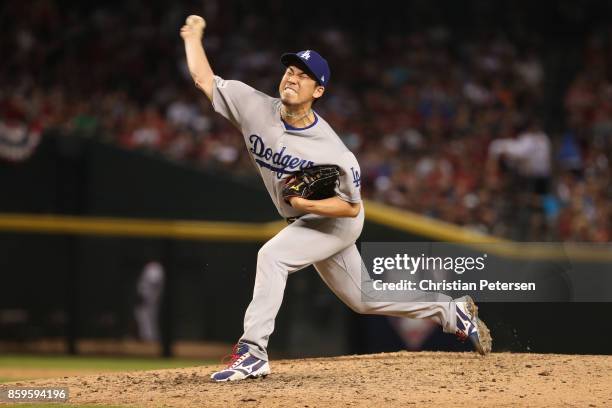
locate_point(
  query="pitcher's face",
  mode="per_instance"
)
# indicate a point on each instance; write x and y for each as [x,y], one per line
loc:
[297,87]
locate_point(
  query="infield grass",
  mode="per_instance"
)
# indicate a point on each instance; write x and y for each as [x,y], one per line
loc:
[103,363]
[27,367]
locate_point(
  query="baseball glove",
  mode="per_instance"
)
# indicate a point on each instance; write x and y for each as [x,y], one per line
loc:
[313,183]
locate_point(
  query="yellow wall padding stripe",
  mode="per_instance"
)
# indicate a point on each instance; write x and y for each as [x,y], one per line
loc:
[176,229]
[212,230]
[424,226]
[445,232]
[261,232]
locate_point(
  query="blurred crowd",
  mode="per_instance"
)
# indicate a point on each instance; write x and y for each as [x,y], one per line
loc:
[450,127]
[583,185]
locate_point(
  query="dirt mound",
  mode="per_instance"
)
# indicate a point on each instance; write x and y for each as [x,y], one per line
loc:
[381,380]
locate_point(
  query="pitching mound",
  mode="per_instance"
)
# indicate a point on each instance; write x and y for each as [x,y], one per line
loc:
[381,380]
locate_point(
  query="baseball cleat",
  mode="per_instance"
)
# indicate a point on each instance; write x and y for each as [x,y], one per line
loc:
[469,326]
[242,365]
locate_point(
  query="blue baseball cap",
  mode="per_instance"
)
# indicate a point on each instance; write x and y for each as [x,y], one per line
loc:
[313,61]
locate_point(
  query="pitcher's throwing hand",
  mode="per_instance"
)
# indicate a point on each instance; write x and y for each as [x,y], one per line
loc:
[193,28]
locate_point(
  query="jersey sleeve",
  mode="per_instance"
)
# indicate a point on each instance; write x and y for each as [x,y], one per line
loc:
[233,99]
[350,179]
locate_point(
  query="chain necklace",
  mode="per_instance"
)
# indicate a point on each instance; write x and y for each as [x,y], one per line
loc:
[291,115]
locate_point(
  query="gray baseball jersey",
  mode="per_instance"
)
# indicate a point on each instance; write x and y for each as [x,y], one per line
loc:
[277,149]
[328,243]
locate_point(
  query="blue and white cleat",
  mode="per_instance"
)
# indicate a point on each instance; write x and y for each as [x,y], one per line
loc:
[242,365]
[469,326]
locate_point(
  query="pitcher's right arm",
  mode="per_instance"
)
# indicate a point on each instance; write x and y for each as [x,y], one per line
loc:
[199,68]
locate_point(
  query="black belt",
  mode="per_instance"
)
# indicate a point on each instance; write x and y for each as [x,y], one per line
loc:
[291,220]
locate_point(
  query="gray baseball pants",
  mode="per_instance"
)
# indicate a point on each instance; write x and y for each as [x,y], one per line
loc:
[329,245]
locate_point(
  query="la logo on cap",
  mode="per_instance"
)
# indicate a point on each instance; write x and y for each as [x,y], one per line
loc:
[305,54]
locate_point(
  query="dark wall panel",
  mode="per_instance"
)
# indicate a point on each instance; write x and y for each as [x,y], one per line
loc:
[86,286]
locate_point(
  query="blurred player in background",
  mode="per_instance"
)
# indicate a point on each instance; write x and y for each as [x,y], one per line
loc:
[149,288]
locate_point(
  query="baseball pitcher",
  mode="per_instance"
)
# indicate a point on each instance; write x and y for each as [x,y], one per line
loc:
[314,182]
